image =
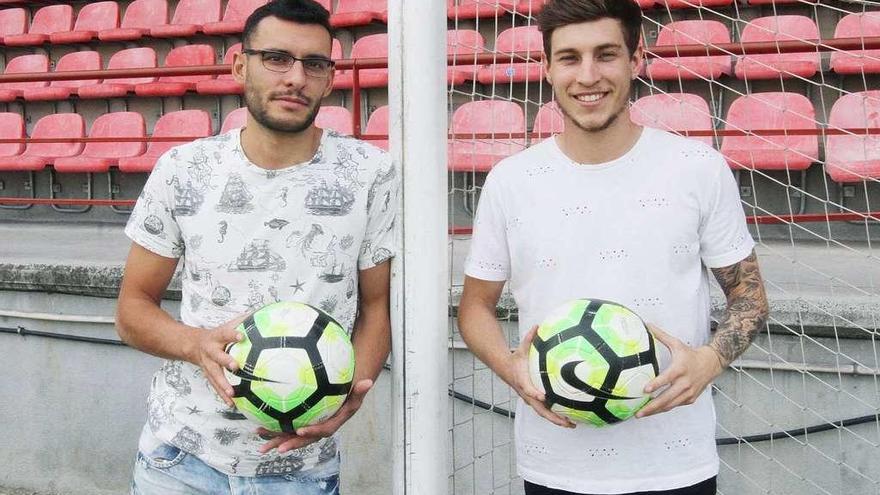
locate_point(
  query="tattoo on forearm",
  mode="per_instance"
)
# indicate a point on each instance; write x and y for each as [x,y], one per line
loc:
[746,311]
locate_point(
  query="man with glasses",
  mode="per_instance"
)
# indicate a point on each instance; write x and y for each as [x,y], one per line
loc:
[277,210]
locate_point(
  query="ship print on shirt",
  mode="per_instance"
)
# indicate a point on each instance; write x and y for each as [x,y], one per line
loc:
[325,200]
[236,198]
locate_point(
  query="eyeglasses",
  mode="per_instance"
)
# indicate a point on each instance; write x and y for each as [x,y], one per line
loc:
[282,62]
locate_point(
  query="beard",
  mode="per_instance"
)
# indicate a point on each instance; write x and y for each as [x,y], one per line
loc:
[596,127]
[258,111]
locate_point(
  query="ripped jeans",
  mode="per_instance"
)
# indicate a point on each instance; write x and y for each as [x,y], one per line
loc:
[171,471]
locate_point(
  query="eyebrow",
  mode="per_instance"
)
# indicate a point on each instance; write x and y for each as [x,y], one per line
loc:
[285,52]
[605,46]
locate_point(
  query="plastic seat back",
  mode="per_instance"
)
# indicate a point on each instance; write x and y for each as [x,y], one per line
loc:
[515,39]
[59,125]
[190,123]
[97,17]
[144,14]
[688,4]
[239,10]
[771,111]
[674,112]
[853,157]
[691,33]
[114,125]
[234,119]
[772,66]
[52,19]
[378,124]
[186,56]
[13,22]
[520,39]
[860,25]
[549,119]
[76,61]
[464,42]
[196,12]
[24,64]
[133,58]
[480,117]
[335,118]
[372,6]
[371,46]
[11,127]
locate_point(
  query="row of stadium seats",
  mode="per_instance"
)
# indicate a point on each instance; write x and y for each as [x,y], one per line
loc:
[460,42]
[101,20]
[848,157]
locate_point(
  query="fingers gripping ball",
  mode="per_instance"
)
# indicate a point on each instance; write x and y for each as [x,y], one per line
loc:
[592,359]
[296,366]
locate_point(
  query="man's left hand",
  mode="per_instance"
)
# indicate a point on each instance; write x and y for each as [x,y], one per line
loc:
[309,434]
[689,373]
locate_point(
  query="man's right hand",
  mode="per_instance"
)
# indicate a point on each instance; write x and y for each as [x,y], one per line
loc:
[210,354]
[518,366]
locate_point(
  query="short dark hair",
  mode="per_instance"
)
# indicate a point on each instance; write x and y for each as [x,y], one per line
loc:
[560,13]
[298,11]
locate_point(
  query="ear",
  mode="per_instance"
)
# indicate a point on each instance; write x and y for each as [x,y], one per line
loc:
[637,62]
[547,70]
[239,68]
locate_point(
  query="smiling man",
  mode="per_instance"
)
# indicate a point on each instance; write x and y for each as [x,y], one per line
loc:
[277,210]
[610,210]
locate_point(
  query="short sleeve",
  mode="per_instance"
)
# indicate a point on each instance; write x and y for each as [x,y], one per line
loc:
[379,244]
[489,257]
[724,237]
[152,223]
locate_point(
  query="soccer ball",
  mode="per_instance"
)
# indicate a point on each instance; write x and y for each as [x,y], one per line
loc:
[296,365]
[592,359]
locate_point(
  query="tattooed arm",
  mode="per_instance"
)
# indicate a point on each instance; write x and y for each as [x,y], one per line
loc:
[746,310]
[693,369]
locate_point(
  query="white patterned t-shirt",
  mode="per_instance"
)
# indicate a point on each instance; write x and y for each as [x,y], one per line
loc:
[248,237]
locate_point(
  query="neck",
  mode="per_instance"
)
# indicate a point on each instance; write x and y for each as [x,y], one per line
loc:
[593,147]
[274,150]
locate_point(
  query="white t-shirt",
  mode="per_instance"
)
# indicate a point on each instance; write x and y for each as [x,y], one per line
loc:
[249,237]
[640,231]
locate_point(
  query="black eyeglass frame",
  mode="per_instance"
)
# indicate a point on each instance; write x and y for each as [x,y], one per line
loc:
[319,73]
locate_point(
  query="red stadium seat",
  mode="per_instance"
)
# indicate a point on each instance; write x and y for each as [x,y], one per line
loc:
[182,56]
[691,33]
[326,4]
[20,65]
[234,119]
[99,157]
[370,46]
[140,16]
[190,16]
[854,158]
[645,4]
[132,58]
[336,118]
[92,18]
[237,12]
[47,20]
[674,112]
[779,111]
[773,66]
[549,119]
[772,2]
[861,25]
[516,39]
[358,12]
[13,22]
[463,42]
[61,90]
[472,9]
[225,84]
[529,7]
[183,123]
[479,117]
[377,124]
[11,127]
[38,155]
[688,4]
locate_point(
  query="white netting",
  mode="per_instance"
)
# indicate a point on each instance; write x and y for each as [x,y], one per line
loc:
[797,414]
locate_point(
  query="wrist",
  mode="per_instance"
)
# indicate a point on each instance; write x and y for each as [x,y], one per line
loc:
[717,358]
[190,348]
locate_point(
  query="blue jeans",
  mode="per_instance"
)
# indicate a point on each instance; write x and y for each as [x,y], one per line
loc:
[171,471]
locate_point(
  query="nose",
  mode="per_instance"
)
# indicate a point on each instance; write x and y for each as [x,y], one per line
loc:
[588,72]
[296,77]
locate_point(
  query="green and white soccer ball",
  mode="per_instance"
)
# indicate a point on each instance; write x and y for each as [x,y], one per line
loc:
[592,359]
[296,366]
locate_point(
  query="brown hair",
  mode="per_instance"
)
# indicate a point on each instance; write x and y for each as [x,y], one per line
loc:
[560,13]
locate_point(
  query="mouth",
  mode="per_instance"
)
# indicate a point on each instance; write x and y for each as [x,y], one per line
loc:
[591,98]
[292,101]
